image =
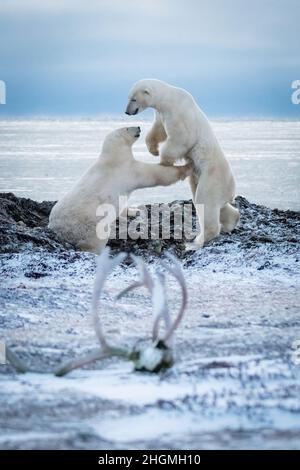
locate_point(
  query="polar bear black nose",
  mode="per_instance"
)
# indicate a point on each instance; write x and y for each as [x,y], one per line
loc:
[138,132]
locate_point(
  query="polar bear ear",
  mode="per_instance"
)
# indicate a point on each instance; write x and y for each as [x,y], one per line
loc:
[146,91]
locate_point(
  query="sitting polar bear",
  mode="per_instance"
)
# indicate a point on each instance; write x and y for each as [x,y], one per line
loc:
[186,133]
[116,173]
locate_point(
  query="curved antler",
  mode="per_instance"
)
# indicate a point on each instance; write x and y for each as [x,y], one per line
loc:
[160,305]
[158,294]
[177,272]
[145,278]
[105,265]
[157,291]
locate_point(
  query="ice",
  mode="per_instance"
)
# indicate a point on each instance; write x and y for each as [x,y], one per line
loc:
[41,159]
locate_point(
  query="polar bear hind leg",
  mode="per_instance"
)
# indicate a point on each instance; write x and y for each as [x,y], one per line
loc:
[229,217]
[92,245]
[208,213]
[211,225]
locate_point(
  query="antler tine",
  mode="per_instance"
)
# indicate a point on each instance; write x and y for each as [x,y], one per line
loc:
[177,272]
[125,291]
[105,265]
[145,278]
[176,269]
[15,361]
[160,306]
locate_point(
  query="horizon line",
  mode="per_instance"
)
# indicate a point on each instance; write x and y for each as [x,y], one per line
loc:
[121,117]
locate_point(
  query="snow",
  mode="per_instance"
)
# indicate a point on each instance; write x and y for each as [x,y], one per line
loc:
[233,376]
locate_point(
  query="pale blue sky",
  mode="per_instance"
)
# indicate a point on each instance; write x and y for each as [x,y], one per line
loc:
[76,57]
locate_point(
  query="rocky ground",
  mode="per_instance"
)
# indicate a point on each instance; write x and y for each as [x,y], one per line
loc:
[235,383]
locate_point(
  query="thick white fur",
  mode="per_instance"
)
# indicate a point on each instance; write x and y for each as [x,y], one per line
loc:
[185,132]
[116,173]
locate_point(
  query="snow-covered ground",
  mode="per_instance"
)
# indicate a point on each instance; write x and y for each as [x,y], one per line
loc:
[235,384]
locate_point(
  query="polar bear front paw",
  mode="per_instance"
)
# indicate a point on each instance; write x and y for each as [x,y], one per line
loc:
[185,170]
[154,151]
[167,161]
[152,147]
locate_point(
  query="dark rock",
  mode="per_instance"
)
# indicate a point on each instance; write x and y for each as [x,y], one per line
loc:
[23,226]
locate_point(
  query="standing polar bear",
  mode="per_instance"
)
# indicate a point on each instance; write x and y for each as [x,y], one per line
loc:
[186,133]
[116,173]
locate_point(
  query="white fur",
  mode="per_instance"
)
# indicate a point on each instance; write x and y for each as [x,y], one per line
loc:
[183,131]
[116,173]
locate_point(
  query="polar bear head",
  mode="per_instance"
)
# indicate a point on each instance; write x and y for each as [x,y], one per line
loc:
[145,94]
[120,138]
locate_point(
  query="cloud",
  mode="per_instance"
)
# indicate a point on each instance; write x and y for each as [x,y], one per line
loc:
[84,43]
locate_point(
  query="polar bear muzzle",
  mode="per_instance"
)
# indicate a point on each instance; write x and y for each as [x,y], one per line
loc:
[134,131]
[132,108]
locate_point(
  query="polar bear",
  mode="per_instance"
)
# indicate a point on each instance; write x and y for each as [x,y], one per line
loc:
[116,173]
[185,132]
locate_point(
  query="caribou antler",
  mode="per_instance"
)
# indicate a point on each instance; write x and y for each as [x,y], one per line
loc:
[160,306]
[176,271]
[15,361]
[156,289]
[145,278]
[160,355]
[105,265]
[152,358]
[158,295]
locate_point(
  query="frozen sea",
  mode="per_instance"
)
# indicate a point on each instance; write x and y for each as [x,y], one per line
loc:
[41,159]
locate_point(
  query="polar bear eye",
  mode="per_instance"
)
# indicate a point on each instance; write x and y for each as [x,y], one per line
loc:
[133,100]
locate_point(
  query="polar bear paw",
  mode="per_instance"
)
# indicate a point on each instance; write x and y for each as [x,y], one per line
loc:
[154,150]
[152,146]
